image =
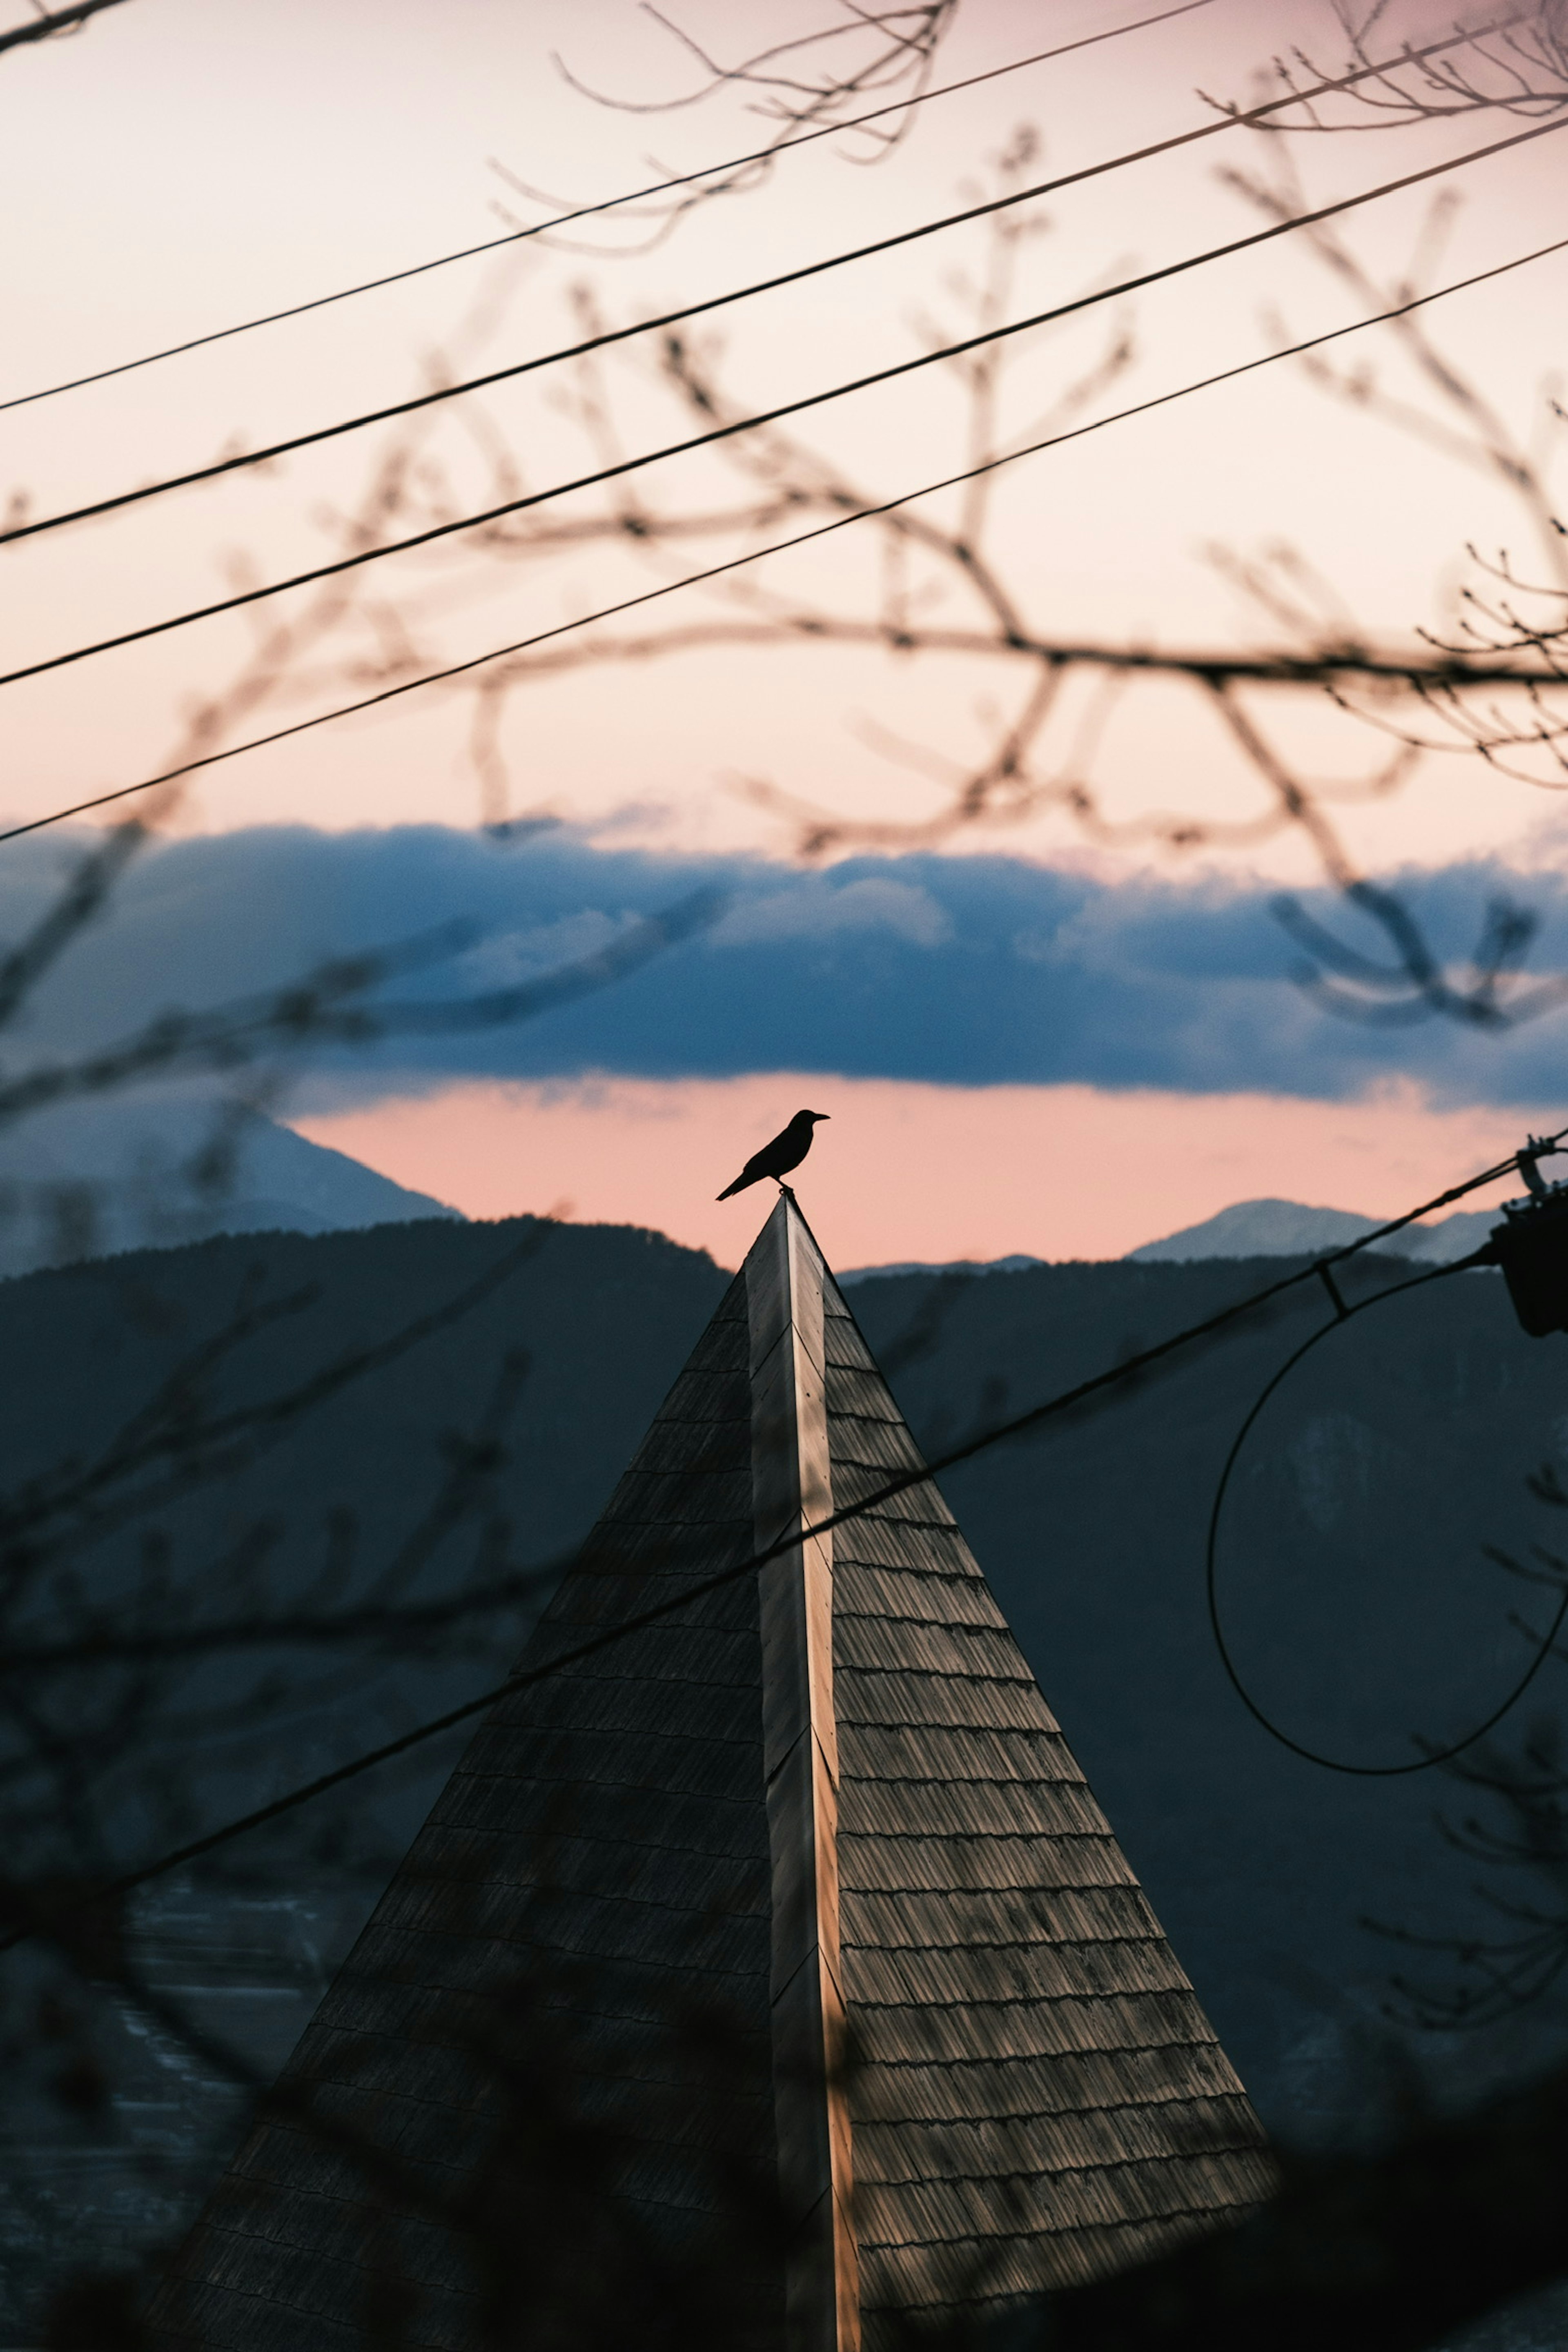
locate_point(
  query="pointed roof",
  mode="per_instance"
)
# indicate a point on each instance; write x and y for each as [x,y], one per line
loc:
[776,1956]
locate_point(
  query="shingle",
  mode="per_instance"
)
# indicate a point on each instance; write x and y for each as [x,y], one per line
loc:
[1021,2015]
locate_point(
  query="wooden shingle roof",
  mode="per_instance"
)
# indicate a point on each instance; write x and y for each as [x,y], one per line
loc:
[777,1956]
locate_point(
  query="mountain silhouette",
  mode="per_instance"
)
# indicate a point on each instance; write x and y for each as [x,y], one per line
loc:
[87,1179]
[1271,1228]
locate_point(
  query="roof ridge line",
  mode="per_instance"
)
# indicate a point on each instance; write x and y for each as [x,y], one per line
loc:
[792,1492]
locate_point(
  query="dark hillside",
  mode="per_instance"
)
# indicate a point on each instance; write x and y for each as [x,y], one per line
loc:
[1363,1604]
[1360,1601]
[310,1511]
[593,1307]
[595,1320]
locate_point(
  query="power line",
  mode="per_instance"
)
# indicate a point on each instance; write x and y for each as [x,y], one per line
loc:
[753,423]
[1271,670]
[1433,1756]
[1017,1426]
[640,195]
[761,154]
[96,508]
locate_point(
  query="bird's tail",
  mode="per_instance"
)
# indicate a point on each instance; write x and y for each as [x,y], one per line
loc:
[738,1185]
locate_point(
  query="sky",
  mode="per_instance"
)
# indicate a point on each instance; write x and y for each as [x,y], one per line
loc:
[1029,1039]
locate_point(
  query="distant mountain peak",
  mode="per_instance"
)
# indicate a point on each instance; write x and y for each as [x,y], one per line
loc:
[88,1179]
[1266,1228]
[1272,1228]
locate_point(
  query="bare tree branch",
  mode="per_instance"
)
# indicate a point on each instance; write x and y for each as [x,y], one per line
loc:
[58,21]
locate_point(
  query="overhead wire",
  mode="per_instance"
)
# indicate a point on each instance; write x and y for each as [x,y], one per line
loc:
[778,547]
[611,203]
[269,452]
[755,421]
[1033,1418]
[1430,1757]
[1408,56]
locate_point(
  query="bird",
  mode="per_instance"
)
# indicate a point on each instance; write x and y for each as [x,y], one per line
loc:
[786,1150]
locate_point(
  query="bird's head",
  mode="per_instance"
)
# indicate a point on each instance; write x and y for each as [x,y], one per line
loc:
[808,1118]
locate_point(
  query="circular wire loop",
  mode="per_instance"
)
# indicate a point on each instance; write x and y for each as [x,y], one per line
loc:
[1310,1755]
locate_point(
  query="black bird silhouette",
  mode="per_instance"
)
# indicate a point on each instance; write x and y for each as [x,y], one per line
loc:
[786,1150]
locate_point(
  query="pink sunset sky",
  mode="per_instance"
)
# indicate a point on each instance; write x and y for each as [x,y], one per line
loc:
[919,1172]
[178,167]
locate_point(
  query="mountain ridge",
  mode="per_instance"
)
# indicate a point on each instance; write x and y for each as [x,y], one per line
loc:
[94,1180]
[1266,1228]
[1275,1228]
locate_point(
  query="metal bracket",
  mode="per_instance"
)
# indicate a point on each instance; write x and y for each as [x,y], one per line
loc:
[1332,1287]
[1536,1148]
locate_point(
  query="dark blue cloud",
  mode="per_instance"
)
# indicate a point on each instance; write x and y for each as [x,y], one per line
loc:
[970,971]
